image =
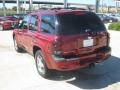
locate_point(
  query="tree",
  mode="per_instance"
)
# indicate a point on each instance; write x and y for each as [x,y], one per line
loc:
[14,8]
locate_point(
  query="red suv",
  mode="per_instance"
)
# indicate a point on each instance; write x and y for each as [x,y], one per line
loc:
[62,39]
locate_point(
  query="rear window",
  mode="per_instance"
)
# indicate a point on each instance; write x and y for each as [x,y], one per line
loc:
[71,24]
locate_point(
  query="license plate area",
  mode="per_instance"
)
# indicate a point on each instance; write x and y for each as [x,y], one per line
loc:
[88,42]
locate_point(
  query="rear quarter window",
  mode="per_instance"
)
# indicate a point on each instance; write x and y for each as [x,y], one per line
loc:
[48,24]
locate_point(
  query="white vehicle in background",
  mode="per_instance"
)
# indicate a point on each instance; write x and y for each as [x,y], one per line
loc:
[117,16]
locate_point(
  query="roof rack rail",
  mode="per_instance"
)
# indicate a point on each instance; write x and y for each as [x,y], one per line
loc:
[59,8]
[74,8]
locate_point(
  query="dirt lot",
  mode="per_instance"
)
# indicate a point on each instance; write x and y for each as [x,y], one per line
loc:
[18,71]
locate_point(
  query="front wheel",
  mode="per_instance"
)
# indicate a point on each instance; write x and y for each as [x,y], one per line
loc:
[17,48]
[41,65]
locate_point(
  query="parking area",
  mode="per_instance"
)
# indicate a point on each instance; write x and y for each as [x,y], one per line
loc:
[18,71]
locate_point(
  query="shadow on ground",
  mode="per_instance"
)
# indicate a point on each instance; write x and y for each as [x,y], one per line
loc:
[100,76]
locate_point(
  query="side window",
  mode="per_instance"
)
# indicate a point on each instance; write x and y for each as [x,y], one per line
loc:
[24,23]
[33,25]
[48,24]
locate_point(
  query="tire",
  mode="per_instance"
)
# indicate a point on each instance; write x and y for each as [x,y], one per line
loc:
[1,28]
[41,65]
[17,48]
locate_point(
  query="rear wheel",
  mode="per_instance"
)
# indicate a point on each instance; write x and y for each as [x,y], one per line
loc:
[1,28]
[17,48]
[41,65]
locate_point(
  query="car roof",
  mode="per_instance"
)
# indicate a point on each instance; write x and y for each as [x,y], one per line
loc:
[57,11]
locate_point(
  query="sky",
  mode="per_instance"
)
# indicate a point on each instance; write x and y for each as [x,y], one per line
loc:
[105,2]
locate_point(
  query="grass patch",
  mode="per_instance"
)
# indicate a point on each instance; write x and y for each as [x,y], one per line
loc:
[10,12]
[114,26]
[7,12]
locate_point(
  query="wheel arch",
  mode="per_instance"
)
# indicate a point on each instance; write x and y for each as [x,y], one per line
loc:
[35,48]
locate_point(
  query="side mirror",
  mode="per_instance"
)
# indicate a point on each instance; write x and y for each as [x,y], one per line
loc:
[15,25]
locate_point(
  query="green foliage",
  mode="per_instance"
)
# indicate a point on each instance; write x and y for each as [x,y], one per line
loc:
[10,12]
[114,26]
[7,12]
[14,8]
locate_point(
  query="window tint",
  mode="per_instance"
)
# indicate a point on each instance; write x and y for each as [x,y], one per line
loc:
[48,24]
[72,23]
[33,25]
[24,23]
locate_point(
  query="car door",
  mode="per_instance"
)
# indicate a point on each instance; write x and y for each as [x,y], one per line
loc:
[18,36]
[23,28]
[31,33]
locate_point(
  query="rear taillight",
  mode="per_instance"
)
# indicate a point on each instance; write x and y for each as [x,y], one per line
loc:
[57,47]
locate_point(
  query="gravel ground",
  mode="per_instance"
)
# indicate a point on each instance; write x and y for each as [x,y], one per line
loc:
[18,71]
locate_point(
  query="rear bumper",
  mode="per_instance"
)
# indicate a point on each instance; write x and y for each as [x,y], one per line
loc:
[80,62]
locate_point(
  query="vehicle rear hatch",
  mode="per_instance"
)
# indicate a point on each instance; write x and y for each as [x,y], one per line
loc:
[81,33]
